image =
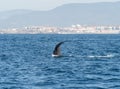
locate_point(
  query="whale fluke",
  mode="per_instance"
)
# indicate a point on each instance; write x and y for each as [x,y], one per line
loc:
[56,51]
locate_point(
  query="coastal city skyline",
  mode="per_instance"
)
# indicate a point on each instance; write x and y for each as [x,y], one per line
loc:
[73,29]
[41,4]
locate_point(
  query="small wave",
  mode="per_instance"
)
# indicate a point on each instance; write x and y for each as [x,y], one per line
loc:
[94,56]
[101,56]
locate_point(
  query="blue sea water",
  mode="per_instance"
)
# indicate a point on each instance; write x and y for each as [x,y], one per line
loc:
[88,62]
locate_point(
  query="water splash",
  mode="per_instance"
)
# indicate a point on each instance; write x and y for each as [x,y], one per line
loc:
[102,56]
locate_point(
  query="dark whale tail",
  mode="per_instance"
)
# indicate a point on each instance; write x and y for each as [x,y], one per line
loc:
[56,51]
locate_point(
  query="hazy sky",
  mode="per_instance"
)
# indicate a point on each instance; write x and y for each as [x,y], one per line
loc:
[40,4]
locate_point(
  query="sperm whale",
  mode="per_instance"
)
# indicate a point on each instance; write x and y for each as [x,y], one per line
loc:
[56,51]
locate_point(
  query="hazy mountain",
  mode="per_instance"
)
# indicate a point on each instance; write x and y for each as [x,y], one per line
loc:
[106,13]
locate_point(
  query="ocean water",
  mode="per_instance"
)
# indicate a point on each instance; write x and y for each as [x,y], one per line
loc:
[87,62]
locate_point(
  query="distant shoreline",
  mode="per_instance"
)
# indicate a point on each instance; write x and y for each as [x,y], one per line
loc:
[74,29]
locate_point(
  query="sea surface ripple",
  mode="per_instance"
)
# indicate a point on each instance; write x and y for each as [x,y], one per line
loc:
[87,62]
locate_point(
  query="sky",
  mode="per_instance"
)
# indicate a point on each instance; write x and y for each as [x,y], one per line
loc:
[40,4]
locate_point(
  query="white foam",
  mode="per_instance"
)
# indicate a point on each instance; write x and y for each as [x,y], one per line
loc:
[94,56]
[101,56]
[55,55]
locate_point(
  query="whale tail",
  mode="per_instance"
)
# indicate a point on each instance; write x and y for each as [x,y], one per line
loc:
[56,51]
